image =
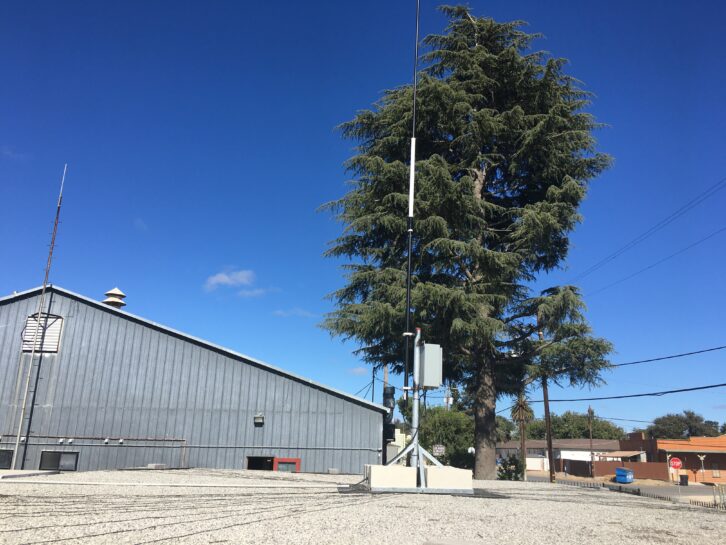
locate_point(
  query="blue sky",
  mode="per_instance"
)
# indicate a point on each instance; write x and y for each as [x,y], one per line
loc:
[200,140]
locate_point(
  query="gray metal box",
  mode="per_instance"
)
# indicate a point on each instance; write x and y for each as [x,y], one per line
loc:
[430,366]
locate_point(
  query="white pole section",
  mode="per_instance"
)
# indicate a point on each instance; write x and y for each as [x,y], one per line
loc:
[411,177]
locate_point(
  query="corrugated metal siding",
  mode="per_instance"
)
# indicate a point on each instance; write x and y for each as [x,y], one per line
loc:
[170,399]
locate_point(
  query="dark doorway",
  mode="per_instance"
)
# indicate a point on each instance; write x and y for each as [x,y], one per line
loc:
[6,459]
[64,461]
[260,462]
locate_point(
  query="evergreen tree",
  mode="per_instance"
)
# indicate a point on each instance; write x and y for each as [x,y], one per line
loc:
[504,155]
[682,426]
[572,425]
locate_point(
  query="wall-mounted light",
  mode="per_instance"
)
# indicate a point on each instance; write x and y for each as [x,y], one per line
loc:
[120,441]
[60,441]
[105,441]
[259,420]
[70,441]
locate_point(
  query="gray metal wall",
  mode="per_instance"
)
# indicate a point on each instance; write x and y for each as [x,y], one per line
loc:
[172,400]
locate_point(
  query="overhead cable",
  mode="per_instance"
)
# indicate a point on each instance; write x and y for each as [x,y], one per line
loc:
[655,228]
[670,357]
[649,394]
[653,265]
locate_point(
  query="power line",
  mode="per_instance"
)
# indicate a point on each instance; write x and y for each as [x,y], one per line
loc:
[655,228]
[650,394]
[622,419]
[365,387]
[670,357]
[653,265]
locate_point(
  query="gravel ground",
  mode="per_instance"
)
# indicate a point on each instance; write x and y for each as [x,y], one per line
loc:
[241,507]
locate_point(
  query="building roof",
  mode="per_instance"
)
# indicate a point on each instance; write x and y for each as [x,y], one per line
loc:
[694,444]
[195,340]
[622,454]
[566,444]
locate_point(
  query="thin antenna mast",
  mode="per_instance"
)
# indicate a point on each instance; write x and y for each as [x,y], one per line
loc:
[408,334]
[41,303]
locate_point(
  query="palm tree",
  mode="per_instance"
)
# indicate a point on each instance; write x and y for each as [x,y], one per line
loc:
[522,414]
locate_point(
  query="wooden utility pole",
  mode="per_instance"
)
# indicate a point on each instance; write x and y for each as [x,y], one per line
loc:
[590,414]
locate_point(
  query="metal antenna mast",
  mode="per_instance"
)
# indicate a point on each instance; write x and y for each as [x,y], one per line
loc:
[41,303]
[408,334]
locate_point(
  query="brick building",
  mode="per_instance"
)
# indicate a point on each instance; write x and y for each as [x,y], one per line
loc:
[704,458]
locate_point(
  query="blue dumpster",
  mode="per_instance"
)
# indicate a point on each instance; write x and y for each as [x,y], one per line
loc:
[623,475]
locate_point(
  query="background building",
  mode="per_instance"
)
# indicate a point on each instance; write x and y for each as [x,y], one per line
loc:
[562,449]
[112,390]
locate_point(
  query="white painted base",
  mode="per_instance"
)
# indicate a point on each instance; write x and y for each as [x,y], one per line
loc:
[449,478]
[388,477]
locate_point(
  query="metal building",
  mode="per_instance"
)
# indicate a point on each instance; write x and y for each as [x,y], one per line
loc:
[111,390]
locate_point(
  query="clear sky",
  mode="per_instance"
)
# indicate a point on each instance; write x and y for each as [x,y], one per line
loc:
[201,139]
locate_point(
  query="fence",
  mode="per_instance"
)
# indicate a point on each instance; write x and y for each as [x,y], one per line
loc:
[719,493]
[641,470]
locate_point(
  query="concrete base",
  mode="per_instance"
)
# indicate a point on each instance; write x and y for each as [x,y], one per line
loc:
[18,473]
[389,477]
[439,491]
[448,478]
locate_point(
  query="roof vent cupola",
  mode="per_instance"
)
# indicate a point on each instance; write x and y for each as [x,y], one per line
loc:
[115,298]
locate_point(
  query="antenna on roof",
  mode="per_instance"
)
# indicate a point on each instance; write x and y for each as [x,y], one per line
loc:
[41,302]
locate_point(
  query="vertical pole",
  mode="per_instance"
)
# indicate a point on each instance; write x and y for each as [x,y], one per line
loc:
[523,449]
[415,460]
[411,179]
[548,428]
[373,385]
[592,454]
[41,302]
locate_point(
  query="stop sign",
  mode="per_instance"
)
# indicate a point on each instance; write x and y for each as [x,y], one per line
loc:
[676,463]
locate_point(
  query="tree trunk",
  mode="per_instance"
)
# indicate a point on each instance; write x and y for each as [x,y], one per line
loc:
[485,436]
[523,449]
[548,428]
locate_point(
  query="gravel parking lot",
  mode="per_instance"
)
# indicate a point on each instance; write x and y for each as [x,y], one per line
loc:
[240,507]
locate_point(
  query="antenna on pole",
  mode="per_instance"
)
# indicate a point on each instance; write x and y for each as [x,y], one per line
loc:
[41,302]
[408,334]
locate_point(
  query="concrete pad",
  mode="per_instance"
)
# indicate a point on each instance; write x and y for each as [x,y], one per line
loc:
[17,473]
[387,477]
[450,478]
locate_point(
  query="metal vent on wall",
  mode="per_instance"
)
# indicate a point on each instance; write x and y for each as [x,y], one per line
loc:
[48,334]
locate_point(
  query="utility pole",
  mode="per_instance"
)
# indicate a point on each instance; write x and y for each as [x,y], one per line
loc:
[373,385]
[590,414]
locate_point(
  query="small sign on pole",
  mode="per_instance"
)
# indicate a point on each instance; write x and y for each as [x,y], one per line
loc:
[676,463]
[438,450]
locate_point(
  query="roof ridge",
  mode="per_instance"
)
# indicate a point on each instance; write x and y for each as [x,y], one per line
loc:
[197,340]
